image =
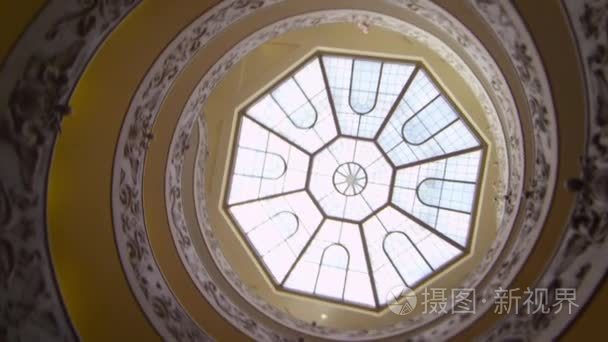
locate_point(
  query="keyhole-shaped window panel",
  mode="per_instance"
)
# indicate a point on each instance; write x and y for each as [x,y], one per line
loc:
[295,104]
[365,81]
[332,271]
[447,194]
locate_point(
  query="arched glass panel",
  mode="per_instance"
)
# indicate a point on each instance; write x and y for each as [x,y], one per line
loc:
[407,260]
[259,164]
[292,100]
[447,194]
[428,122]
[287,223]
[273,232]
[332,271]
[364,84]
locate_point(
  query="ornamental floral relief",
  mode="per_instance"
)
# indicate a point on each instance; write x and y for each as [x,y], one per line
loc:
[143,273]
[545,154]
[580,262]
[34,96]
[136,149]
[511,31]
[36,82]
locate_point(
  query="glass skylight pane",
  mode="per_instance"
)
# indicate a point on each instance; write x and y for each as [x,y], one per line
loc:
[429,190]
[386,279]
[251,163]
[375,195]
[421,91]
[455,225]
[418,234]
[343,150]
[369,124]
[310,79]
[415,132]
[435,117]
[425,213]
[278,261]
[374,234]
[404,198]
[390,139]
[310,187]
[358,289]
[394,77]
[464,167]
[427,150]
[301,278]
[338,248]
[424,125]
[279,226]
[437,251]
[402,154]
[350,179]
[349,123]
[335,256]
[364,91]
[253,136]
[334,204]
[365,82]
[330,282]
[431,251]
[406,259]
[457,196]
[298,109]
[293,177]
[293,102]
[456,137]
[338,71]
[356,208]
[351,237]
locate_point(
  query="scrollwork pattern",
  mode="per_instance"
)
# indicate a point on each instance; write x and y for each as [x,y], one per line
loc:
[580,262]
[142,271]
[36,82]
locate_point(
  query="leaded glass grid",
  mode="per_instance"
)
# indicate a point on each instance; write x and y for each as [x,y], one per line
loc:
[353,175]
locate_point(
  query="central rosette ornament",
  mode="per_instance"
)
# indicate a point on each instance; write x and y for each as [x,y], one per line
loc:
[350,179]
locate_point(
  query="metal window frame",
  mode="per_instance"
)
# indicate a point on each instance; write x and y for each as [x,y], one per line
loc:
[361,168]
[418,65]
[308,102]
[350,88]
[321,264]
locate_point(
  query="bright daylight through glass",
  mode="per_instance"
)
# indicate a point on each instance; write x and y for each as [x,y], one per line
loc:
[354,175]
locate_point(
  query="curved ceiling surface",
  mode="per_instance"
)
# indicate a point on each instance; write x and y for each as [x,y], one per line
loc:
[360,186]
[258,70]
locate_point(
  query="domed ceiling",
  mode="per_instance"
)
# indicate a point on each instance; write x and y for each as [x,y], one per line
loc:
[290,170]
[353,176]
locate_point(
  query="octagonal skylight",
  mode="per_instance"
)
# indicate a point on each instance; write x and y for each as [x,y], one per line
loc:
[352,176]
